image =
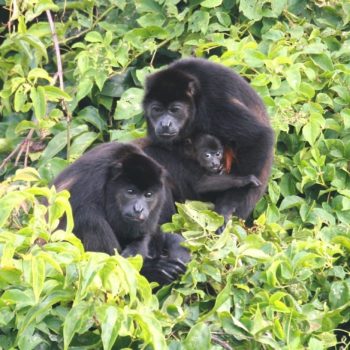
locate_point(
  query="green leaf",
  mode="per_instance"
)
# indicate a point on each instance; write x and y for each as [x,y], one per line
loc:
[8,203]
[199,22]
[37,276]
[129,105]
[259,323]
[36,43]
[339,294]
[25,125]
[39,73]
[211,3]
[324,99]
[198,337]
[114,87]
[291,202]
[91,115]
[20,298]
[312,130]
[251,9]
[55,94]
[93,37]
[315,344]
[293,77]
[75,320]
[100,79]
[323,61]
[59,142]
[254,253]
[111,320]
[37,96]
[26,174]
[81,143]
[84,87]
[20,99]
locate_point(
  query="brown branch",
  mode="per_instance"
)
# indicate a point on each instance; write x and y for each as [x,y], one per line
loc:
[8,158]
[25,146]
[57,48]
[19,149]
[220,342]
[60,75]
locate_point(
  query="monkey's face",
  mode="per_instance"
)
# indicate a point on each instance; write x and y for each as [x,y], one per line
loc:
[211,160]
[168,120]
[136,205]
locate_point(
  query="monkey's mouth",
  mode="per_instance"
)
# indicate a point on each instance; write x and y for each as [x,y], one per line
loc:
[216,169]
[136,219]
[167,135]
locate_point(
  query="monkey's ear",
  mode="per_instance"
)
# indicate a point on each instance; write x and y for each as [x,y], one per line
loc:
[192,88]
[188,142]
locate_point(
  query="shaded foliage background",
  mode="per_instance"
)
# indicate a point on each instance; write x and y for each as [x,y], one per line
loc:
[282,283]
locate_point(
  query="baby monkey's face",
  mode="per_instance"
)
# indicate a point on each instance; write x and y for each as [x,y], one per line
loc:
[211,160]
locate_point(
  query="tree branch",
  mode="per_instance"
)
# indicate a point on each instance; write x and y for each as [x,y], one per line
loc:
[23,146]
[220,342]
[60,75]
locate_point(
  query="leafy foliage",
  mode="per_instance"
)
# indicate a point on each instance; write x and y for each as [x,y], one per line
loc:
[282,283]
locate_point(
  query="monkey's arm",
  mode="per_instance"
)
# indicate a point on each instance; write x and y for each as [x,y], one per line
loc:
[137,247]
[94,231]
[217,183]
[169,260]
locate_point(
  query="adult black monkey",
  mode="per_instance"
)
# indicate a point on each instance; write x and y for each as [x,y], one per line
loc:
[198,96]
[117,193]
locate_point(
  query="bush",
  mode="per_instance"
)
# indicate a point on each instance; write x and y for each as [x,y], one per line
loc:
[282,283]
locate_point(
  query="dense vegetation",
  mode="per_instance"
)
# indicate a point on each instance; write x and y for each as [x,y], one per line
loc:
[282,283]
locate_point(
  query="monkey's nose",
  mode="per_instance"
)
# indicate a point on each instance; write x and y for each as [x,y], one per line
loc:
[166,124]
[138,208]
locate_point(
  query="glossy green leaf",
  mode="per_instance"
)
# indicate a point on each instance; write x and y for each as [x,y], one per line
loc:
[211,3]
[198,337]
[55,94]
[37,96]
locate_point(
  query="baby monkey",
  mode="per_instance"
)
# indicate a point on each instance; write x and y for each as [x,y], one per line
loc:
[208,152]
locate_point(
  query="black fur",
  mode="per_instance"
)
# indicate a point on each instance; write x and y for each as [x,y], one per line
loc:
[223,104]
[207,151]
[108,217]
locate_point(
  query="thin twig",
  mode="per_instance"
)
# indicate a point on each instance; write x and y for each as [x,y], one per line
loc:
[60,75]
[220,342]
[8,158]
[25,145]
[28,144]
[57,49]
[156,50]
[19,149]
[97,20]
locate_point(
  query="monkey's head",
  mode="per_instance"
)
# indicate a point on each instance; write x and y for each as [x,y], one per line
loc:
[139,190]
[170,105]
[208,152]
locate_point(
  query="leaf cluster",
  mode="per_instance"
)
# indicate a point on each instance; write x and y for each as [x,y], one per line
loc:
[281,283]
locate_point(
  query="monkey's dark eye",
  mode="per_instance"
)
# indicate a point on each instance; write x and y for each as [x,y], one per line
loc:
[207,155]
[218,154]
[174,109]
[148,194]
[130,191]
[157,109]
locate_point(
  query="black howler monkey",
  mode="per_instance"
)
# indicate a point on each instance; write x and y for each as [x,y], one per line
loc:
[198,96]
[117,194]
[208,152]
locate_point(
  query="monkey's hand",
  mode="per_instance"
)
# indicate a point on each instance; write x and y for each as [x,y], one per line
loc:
[254,181]
[163,270]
